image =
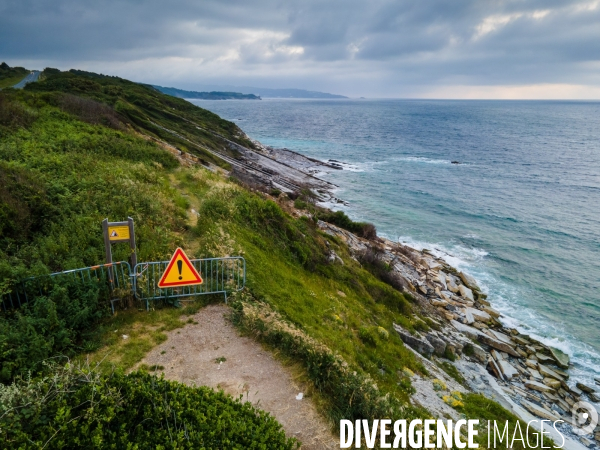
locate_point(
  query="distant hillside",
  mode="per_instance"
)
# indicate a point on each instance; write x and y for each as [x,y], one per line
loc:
[262,92]
[213,95]
[10,76]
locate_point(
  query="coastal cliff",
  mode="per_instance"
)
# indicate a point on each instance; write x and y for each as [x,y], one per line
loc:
[374,328]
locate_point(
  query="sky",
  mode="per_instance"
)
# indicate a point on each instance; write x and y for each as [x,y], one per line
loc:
[502,49]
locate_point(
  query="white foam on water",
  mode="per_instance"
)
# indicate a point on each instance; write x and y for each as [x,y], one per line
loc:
[507,300]
[422,159]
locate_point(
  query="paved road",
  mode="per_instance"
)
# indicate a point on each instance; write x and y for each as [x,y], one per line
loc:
[32,77]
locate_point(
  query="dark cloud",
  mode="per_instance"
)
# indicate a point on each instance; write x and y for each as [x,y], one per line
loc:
[352,46]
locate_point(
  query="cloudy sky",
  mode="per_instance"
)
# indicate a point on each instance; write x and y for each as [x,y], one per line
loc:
[374,48]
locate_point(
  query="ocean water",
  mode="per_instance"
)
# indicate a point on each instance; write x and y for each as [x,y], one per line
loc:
[521,212]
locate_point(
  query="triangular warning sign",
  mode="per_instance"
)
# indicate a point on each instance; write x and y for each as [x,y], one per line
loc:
[180,272]
[114,234]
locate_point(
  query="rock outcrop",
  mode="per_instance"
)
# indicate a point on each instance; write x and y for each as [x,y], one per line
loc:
[531,373]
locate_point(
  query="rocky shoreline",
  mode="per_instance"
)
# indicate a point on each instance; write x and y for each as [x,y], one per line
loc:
[529,376]
[526,376]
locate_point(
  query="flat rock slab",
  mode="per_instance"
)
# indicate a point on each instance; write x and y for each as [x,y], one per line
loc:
[507,369]
[502,337]
[498,345]
[471,332]
[539,411]
[419,344]
[466,292]
[585,388]
[553,383]
[561,358]
[520,340]
[189,356]
[495,369]
[538,386]
[548,372]
[544,358]
[480,315]
[468,280]
[491,311]
[535,374]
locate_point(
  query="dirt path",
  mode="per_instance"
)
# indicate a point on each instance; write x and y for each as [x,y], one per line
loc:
[189,355]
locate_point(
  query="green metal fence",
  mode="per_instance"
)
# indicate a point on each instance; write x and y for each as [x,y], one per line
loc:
[219,275]
[117,276]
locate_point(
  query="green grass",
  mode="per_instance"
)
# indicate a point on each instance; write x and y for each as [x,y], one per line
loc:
[74,150]
[9,76]
[10,82]
[453,372]
[144,330]
[286,260]
[478,407]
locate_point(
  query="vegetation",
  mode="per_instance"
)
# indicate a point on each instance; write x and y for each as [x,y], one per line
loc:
[9,76]
[339,218]
[78,147]
[350,395]
[79,408]
[57,324]
[478,407]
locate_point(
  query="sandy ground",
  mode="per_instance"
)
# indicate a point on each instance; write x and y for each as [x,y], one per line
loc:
[189,355]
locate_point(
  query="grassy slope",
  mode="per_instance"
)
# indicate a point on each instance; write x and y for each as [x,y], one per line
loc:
[9,76]
[81,172]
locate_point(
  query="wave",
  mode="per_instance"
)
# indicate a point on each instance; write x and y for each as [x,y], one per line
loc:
[507,300]
[365,166]
[425,160]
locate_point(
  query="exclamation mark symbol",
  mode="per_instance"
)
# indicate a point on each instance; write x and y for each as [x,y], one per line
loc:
[179,267]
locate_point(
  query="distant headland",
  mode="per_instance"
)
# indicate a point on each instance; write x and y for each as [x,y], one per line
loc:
[212,95]
[245,92]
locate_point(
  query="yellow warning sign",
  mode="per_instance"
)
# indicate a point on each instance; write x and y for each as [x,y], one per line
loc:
[180,272]
[118,233]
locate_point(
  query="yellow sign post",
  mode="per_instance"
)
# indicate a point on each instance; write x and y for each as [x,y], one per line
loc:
[118,233]
[115,232]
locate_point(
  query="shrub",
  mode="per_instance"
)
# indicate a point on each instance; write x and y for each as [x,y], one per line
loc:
[367,335]
[300,204]
[371,258]
[339,218]
[90,111]
[13,114]
[383,333]
[51,325]
[439,385]
[24,204]
[79,408]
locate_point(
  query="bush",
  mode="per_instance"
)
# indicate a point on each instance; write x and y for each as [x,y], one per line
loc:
[79,408]
[90,111]
[55,324]
[367,335]
[13,114]
[24,204]
[339,218]
[371,259]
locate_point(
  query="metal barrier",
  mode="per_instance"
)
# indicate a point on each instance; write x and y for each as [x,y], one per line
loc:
[117,275]
[219,276]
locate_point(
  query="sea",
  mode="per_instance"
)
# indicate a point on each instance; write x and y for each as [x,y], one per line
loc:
[507,191]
